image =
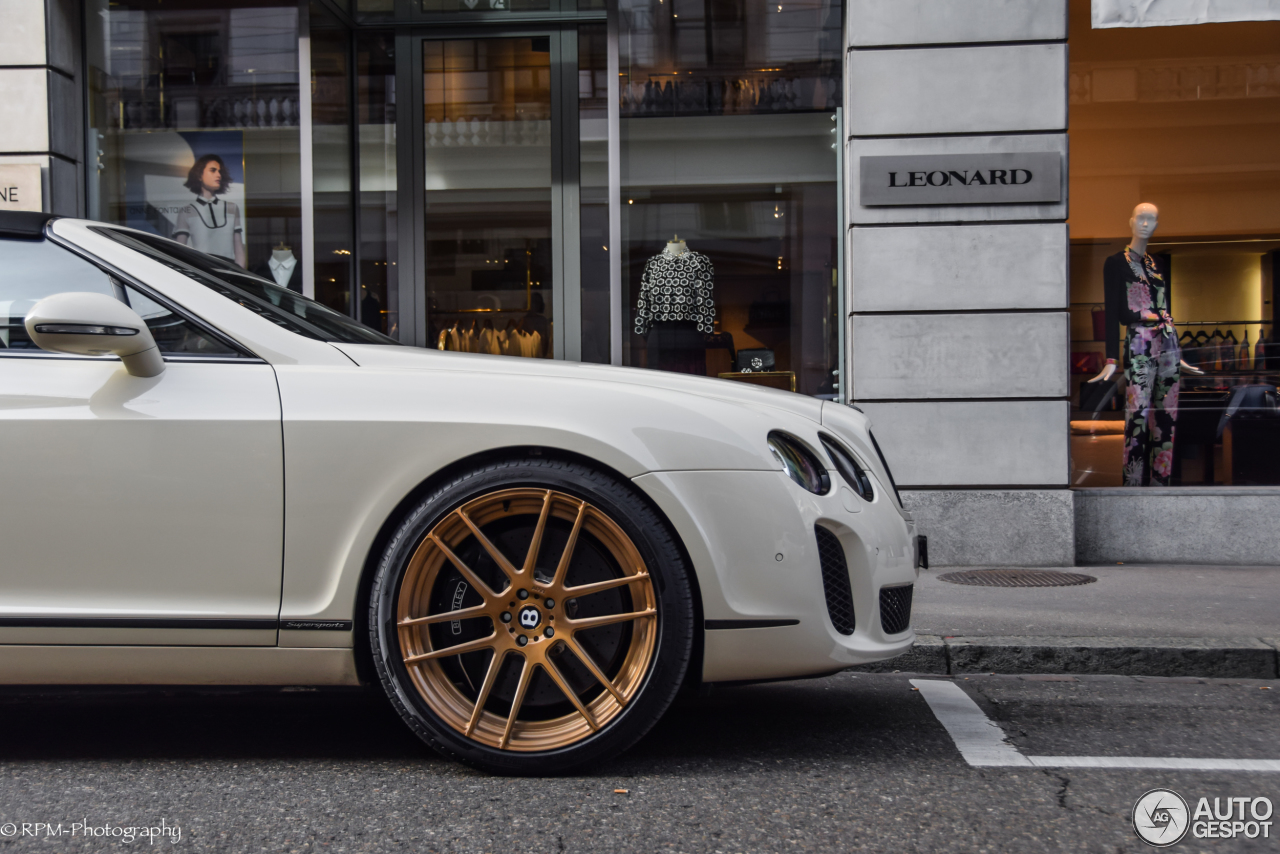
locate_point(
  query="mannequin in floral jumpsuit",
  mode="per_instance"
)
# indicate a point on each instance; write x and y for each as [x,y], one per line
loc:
[1138,296]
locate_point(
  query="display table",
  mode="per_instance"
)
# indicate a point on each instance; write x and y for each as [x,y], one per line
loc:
[783,380]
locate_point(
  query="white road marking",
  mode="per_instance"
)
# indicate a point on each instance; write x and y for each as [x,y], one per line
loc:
[1169,764]
[982,743]
[979,740]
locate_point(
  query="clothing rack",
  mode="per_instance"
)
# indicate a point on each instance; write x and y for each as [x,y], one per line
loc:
[1224,323]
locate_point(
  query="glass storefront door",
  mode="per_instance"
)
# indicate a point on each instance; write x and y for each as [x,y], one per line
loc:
[488,151]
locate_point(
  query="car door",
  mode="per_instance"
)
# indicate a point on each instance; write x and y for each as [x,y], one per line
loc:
[136,510]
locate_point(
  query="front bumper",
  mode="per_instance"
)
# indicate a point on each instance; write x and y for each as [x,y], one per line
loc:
[755,553]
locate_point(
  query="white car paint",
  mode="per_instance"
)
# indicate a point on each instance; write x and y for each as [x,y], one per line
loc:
[153,498]
[359,428]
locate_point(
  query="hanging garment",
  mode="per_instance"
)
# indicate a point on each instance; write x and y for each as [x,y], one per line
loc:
[1138,296]
[1215,350]
[1192,344]
[1202,348]
[677,287]
[531,345]
[488,342]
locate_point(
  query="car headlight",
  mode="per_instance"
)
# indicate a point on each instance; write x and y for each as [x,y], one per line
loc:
[799,463]
[847,465]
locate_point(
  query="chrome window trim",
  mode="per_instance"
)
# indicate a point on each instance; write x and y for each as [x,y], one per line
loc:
[177,357]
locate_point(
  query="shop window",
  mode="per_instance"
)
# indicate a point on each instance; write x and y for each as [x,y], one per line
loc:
[729,203]
[193,126]
[488,164]
[1186,120]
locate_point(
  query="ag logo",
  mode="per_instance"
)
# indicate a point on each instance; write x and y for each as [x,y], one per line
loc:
[1160,818]
[529,617]
[756,362]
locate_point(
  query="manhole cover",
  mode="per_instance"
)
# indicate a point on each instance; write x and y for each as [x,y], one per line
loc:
[1017,578]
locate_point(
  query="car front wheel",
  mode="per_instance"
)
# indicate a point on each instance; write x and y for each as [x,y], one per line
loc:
[531,616]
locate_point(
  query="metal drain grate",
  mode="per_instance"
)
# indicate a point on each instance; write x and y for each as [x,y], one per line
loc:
[1017,578]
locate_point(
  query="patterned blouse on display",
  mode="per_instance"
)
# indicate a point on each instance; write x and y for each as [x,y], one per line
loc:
[676,287]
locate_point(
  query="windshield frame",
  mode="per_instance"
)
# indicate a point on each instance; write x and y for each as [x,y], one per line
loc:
[228,280]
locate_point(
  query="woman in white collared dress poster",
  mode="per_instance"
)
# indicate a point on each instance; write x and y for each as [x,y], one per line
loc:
[211,224]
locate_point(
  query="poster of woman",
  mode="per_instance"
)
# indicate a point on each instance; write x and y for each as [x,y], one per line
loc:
[210,223]
[190,186]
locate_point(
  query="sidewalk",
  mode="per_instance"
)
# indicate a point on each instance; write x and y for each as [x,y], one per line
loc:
[1137,620]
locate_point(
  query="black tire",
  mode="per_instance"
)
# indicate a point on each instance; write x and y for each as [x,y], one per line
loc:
[670,592]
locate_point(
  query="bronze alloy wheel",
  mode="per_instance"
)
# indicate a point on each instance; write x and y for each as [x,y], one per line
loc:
[532,616]
[528,617]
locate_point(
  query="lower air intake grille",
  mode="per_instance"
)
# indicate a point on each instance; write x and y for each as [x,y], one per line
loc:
[835,580]
[895,609]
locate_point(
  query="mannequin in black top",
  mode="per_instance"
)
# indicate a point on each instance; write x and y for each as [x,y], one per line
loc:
[676,308]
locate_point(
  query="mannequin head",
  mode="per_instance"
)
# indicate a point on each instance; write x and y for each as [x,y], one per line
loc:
[1142,224]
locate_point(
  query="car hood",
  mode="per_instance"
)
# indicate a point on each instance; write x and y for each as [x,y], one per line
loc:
[418,359]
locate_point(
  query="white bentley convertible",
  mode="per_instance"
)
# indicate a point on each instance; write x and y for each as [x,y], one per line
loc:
[215,481]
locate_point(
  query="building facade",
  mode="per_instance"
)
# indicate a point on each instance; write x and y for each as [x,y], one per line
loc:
[920,207]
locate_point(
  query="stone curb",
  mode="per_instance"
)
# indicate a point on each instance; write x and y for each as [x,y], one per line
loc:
[1238,658]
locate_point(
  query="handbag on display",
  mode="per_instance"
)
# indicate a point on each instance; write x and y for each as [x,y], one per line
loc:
[754,361]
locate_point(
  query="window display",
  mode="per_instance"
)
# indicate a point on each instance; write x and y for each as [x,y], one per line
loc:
[677,307]
[730,219]
[1175,246]
[193,123]
[1137,297]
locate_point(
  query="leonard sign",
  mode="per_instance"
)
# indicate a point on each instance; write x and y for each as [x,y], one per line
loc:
[20,187]
[961,179]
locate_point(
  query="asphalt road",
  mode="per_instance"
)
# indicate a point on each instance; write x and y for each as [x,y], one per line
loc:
[847,763]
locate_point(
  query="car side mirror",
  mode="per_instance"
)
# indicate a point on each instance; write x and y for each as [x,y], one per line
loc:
[86,324]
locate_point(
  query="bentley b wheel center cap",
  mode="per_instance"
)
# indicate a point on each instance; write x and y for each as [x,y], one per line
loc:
[529,617]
